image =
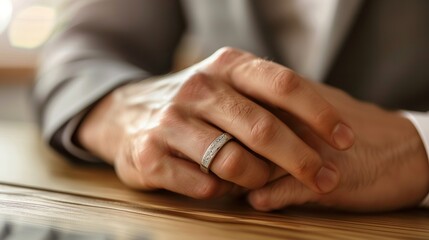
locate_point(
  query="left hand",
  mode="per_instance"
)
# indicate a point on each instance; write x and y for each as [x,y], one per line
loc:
[155,131]
[387,167]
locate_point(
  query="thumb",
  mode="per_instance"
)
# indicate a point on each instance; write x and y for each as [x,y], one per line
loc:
[281,193]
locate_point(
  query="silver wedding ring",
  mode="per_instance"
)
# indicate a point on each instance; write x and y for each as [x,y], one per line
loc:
[212,150]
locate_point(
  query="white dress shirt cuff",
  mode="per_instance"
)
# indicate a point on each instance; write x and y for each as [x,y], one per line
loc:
[421,122]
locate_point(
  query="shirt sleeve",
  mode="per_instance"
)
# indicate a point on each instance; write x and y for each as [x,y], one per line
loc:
[98,46]
[421,122]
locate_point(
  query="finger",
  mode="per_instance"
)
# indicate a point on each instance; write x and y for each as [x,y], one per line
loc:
[186,178]
[232,163]
[283,88]
[284,192]
[146,165]
[266,135]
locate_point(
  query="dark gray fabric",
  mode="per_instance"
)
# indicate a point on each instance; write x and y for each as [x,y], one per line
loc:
[385,59]
[106,43]
[99,45]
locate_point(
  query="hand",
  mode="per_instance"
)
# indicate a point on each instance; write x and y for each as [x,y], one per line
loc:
[156,131]
[387,167]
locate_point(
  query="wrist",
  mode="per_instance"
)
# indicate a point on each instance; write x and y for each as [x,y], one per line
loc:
[97,134]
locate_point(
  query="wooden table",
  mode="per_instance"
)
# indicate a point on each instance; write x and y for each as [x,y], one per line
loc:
[38,187]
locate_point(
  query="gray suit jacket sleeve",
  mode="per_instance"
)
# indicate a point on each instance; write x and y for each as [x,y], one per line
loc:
[99,45]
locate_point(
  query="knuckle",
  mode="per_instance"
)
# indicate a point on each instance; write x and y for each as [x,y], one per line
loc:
[232,165]
[143,155]
[306,163]
[196,87]
[285,82]
[207,190]
[135,155]
[325,115]
[225,56]
[150,139]
[235,107]
[172,109]
[172,115]
[258,64]
[263,130]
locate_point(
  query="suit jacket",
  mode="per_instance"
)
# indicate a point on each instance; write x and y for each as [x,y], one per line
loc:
[102,44]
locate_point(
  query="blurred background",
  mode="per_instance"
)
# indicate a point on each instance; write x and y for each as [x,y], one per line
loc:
[25,25]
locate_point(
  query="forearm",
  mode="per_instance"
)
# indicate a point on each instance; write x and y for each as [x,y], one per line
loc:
[71,87]
[100,133]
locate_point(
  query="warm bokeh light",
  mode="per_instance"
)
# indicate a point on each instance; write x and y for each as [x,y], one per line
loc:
[31,27]
[5,14]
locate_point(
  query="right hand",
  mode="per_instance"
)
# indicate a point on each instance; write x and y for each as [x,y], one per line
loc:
[156,131]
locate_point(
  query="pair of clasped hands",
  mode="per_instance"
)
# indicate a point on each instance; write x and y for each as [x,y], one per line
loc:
[295,141]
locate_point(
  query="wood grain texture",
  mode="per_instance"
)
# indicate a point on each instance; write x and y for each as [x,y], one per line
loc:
[40,187]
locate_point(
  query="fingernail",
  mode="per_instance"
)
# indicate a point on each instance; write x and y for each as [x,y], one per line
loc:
[343,136]
[326,180]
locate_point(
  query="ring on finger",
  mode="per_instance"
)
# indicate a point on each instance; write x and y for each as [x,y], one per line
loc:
[212,150]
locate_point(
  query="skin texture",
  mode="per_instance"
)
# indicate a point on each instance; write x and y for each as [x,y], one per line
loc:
[385,169]
[339,152]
